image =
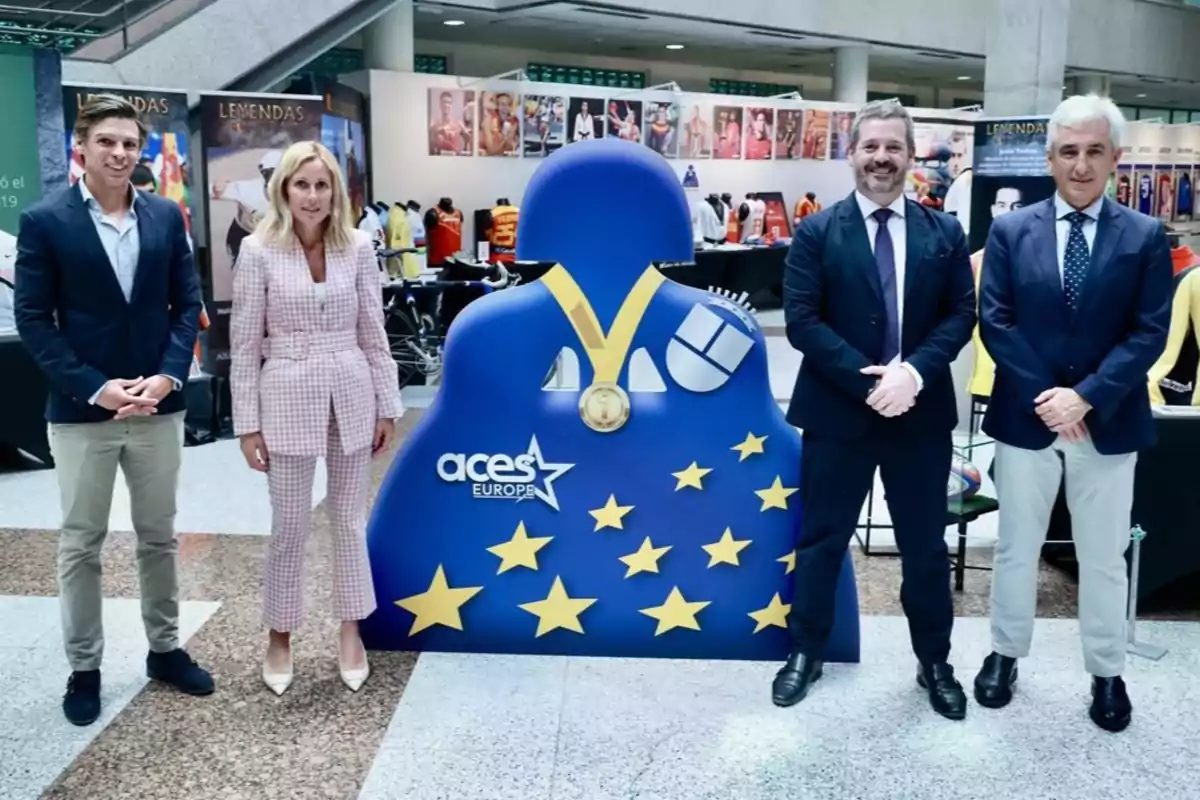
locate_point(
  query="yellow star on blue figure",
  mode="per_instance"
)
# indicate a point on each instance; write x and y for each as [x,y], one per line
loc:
[775,495]
[690,477]
[753,446]
[611,515]
[725,550]
[519,551]
[775,614]
[438,605]
[676,612]
[558,610]
[645,559]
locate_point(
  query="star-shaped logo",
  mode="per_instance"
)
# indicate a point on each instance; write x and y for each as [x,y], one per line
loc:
[554,470]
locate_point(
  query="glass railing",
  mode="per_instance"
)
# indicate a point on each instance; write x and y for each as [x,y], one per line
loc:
[95,30]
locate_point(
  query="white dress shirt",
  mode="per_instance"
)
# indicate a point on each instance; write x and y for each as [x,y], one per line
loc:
[897,227]
[1063,228]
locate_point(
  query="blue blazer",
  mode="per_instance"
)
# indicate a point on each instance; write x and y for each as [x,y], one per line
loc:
[73,317]
[1103,350]
[833,304]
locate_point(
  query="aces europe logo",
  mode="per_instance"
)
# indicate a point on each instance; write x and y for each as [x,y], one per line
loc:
[525,476]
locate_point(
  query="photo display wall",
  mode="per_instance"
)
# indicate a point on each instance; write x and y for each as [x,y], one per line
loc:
[1159,169]
[480,140]
[505,124]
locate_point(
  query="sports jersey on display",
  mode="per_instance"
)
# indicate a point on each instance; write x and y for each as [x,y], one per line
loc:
[502,237]
[1146,194]
[1183,203]
[446,239]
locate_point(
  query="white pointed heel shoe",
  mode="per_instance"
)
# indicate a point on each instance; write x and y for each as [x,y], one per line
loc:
[278,682]
[355,678]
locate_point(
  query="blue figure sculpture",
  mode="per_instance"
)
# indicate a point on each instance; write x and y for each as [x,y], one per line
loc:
[650,510]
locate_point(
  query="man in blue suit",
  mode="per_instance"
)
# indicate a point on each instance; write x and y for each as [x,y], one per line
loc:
[1075,304]
[879,299]
[108,303]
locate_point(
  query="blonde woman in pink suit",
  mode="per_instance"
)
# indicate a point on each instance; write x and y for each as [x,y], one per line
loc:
[311,377]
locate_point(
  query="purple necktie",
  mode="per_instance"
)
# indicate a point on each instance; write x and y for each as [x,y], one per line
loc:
[885,261]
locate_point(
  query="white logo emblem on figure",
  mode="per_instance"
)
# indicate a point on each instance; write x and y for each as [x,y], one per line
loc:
[706,350]
[505,477]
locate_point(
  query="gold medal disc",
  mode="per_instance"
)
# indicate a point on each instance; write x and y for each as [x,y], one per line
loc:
[604,407]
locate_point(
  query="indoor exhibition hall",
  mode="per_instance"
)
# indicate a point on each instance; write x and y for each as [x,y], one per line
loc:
[573,400]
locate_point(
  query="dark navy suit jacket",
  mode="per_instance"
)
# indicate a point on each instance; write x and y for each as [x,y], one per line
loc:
[1103,350]
[73,317]
[833,304]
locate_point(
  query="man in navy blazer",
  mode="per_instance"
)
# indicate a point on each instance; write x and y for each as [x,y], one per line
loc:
[879,298]
[1075,301]
[107,301]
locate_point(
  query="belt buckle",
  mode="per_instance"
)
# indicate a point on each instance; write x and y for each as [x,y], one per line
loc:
[298,346]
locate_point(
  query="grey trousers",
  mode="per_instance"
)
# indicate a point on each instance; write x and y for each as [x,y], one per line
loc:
[149,451]
[1099,493]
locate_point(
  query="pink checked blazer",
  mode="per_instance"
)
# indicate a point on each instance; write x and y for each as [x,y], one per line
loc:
[293,361]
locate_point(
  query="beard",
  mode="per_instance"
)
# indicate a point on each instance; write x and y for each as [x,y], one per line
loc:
[880,177]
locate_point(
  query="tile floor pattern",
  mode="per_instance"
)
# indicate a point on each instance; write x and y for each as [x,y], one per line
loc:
[705,732]
[536,728]
[320,741]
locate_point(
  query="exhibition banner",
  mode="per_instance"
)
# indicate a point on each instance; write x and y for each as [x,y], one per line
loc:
[343,131]
[245,136]
[1010,171]
[32,162]
[164,167]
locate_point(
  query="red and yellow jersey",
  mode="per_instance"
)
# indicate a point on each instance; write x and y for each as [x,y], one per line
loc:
[502,237]
[733,232]
[446,238]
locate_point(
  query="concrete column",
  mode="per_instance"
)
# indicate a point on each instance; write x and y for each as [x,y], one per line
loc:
[388,41]
[1026,56]
[1092,83]
[850,70]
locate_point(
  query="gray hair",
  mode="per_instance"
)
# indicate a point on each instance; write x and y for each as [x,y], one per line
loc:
[1081,109]
[884,109]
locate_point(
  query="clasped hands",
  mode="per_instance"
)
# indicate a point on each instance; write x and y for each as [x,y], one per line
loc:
[1062,410]
[895,392]
[134,397]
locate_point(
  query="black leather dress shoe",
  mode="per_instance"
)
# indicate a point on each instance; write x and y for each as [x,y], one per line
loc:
[995,681]
[793,681]
[1111,709]
[177,669]
[81,703]
[946,694]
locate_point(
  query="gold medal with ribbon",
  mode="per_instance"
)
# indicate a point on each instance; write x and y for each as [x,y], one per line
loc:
[603,405]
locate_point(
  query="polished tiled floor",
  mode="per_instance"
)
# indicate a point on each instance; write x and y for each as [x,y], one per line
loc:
[445,726]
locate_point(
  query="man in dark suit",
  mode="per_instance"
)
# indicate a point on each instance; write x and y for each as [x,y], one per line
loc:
[1075,302]
[879,299]
[108,302]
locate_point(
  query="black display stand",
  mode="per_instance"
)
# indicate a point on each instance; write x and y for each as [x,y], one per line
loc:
[23,402]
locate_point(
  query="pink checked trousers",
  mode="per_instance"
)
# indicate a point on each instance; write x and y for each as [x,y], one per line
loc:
[290,482]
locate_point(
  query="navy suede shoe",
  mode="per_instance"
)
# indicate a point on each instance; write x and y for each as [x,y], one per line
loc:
[81,703]
[177,669]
